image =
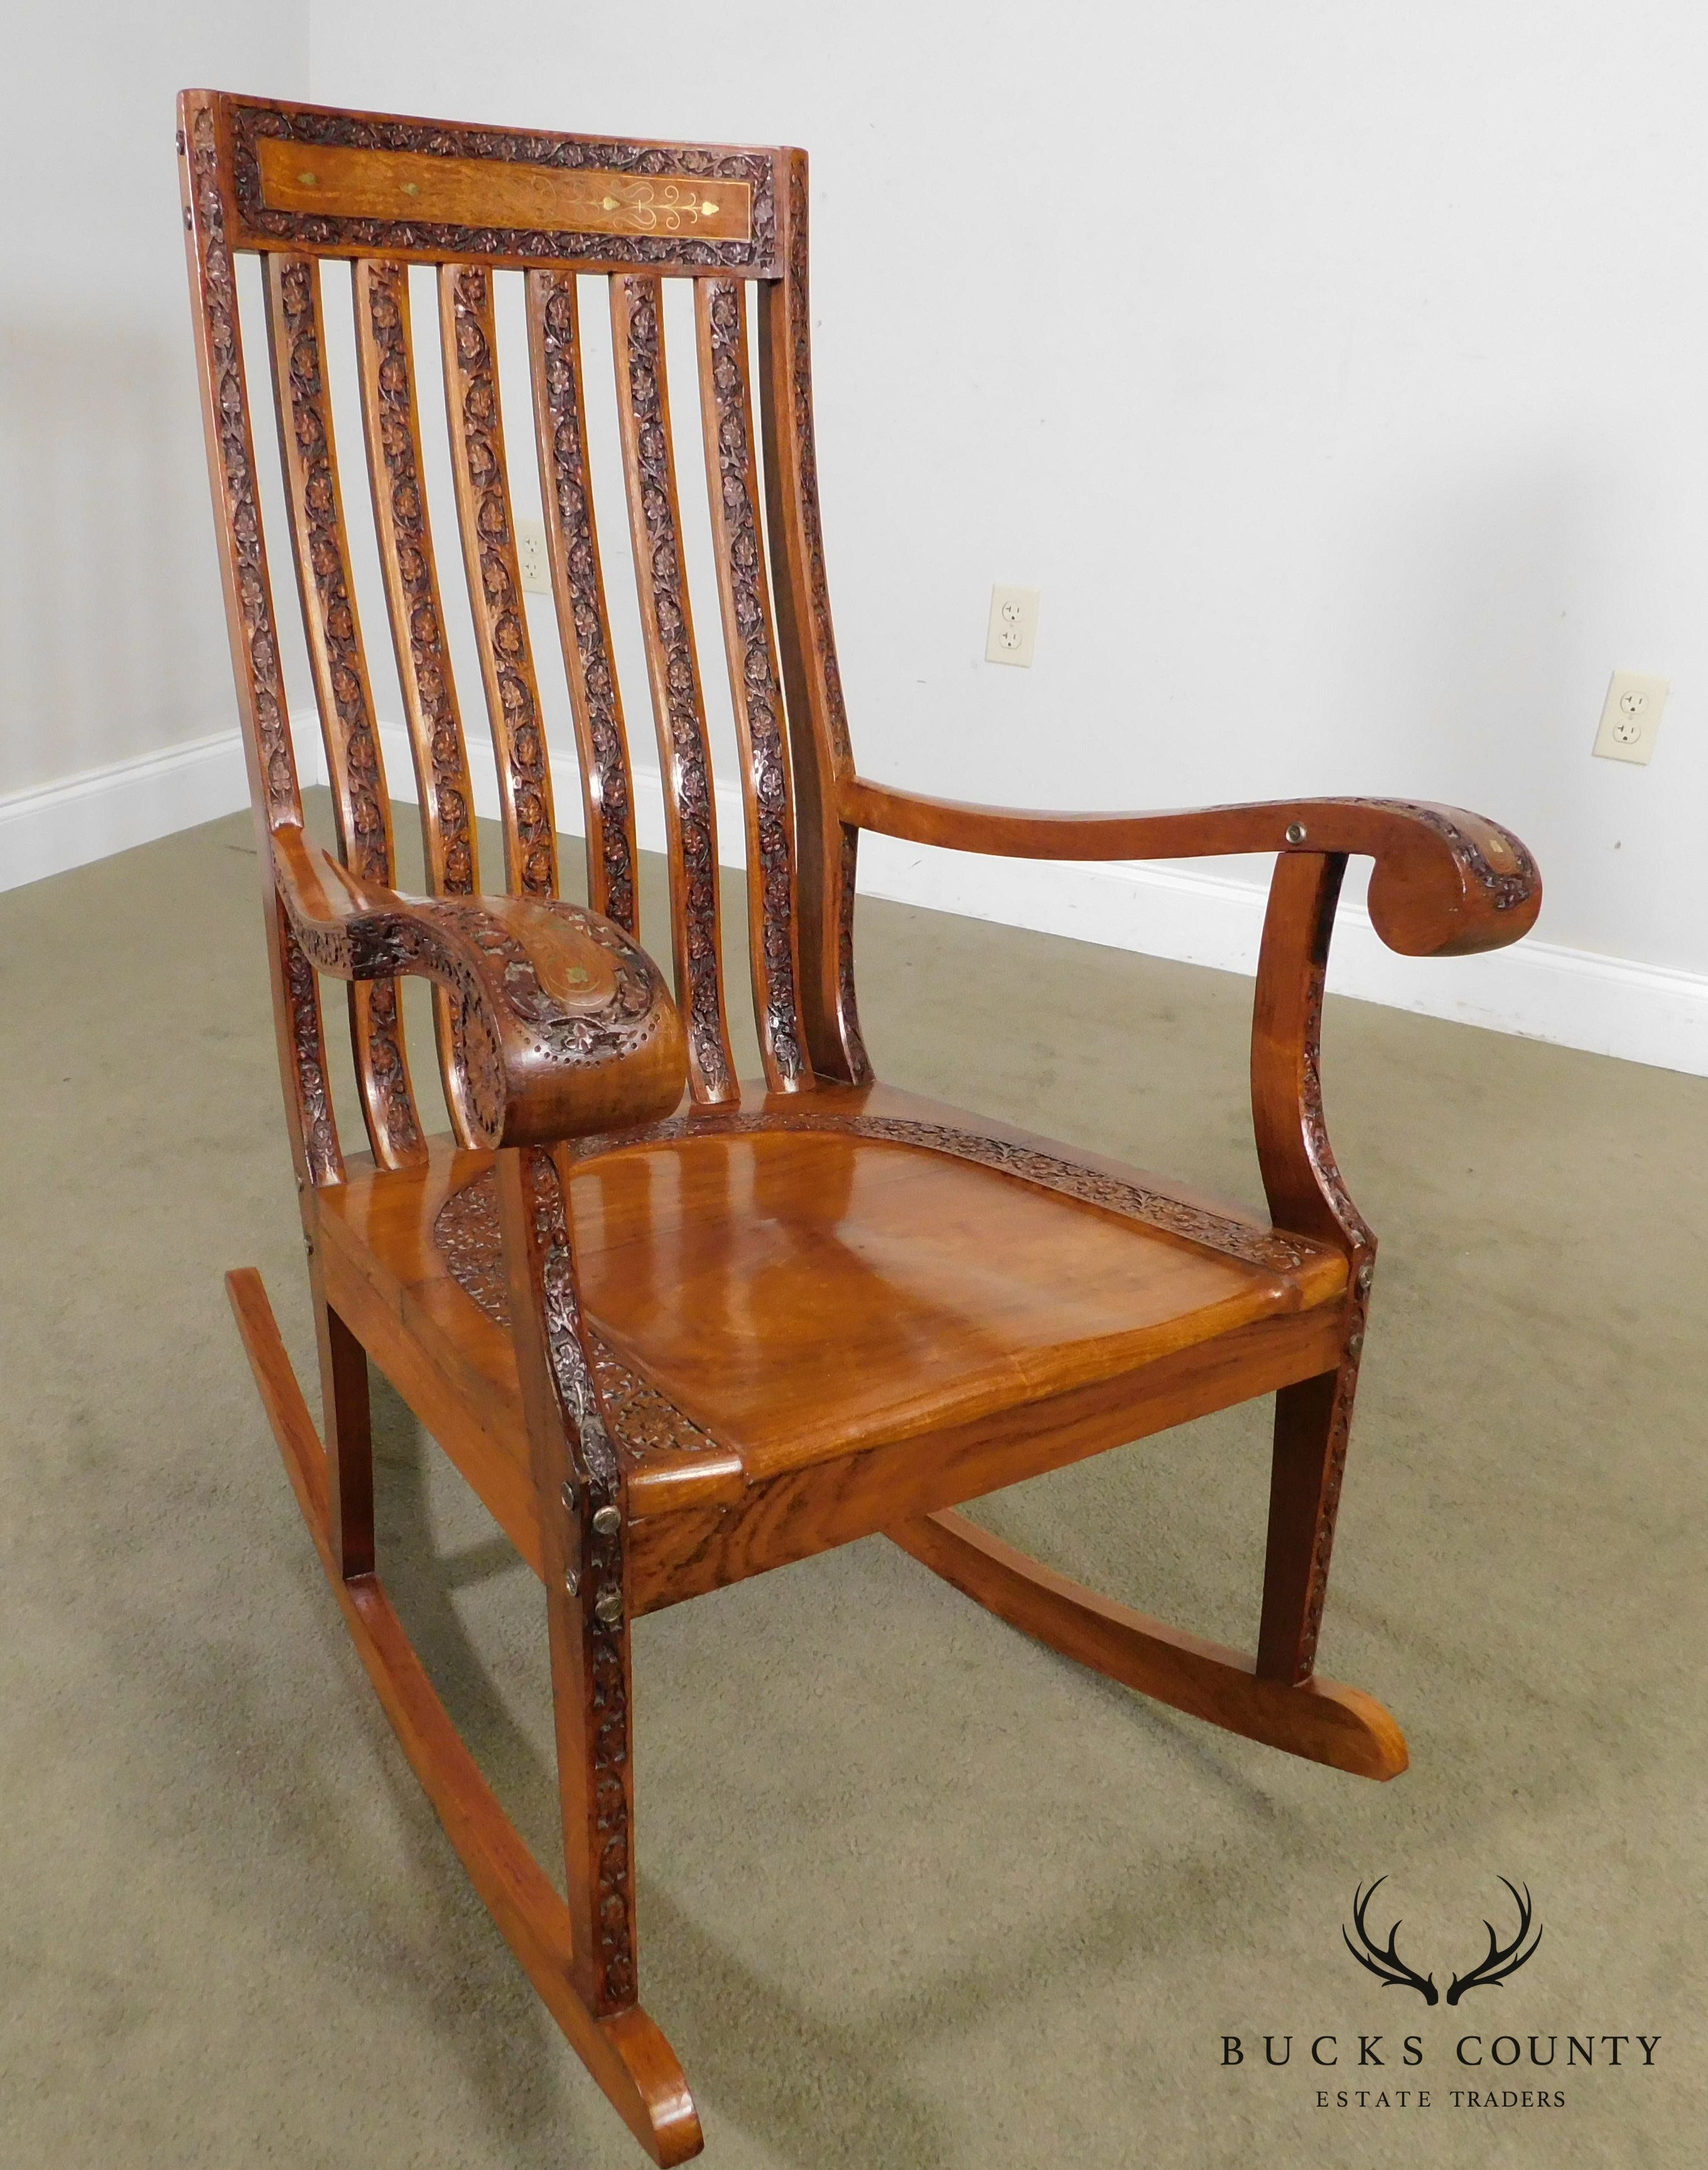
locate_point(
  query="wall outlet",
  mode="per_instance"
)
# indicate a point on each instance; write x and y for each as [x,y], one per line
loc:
[530,556]
[1630,716]
[1014,626]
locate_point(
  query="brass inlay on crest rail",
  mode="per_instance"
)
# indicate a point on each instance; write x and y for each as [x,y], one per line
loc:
[350,183]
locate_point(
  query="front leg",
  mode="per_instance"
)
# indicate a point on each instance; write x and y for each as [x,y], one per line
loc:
[579,1481]
[1313,1419]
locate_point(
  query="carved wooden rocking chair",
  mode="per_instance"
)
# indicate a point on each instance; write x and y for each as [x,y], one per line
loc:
[673,1329]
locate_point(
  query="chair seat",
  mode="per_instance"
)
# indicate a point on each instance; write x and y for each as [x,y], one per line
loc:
[800,1281]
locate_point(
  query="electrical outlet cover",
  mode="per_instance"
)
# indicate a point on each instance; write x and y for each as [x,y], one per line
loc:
[1014,626]
[531,558]
[1630,716]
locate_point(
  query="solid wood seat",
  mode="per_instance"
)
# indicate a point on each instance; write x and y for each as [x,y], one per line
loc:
[798,1292]
[676,1331]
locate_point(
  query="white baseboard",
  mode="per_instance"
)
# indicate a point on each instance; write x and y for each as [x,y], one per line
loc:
[1640,1013]
[58,826]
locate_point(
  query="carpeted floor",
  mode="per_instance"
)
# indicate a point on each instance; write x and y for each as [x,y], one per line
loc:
[913,1891]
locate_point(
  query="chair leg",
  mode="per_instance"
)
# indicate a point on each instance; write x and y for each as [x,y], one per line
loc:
[1311,1422]
[623,2049]
[1275,1699]
[349,1441]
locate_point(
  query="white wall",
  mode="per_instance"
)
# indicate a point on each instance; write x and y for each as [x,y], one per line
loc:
[112,637]
[1334,370]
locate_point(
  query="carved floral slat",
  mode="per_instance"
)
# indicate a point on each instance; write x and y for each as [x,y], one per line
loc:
[756,691]
[470,339]
[391,424]
[254,635]
[578,588]
[655,522]
[360,802]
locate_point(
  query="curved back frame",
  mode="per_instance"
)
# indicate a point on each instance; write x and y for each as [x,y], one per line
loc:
[297,185]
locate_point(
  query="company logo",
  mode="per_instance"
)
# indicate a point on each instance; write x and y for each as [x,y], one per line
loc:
[1380,2061]
[1383,1960]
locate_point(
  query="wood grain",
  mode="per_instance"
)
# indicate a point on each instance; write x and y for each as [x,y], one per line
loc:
[625,2053]
[756,690]
[578,591]
[678,709]
[1319,1720]
[329,180]
[468,333]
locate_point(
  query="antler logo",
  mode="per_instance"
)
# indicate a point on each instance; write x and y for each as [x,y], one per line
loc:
[1384,1962]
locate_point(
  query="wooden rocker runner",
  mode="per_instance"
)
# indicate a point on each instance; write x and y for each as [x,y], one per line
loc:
[677,1330]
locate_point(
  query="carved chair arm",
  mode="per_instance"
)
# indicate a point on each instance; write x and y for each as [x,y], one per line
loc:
[1445,883]
[562,1024]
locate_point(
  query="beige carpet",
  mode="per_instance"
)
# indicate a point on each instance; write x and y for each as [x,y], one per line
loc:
[913,1891]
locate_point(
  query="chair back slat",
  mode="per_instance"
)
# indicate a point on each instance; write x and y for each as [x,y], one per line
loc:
[386,356]
[479,207]
[817,718]
[339,668]
[756,692]
[204,184]
[578,589]
[649,465]
[470,333]
[444,794]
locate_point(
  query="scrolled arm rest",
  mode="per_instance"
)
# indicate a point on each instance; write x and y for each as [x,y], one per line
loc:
[562,1024]
[1445,883]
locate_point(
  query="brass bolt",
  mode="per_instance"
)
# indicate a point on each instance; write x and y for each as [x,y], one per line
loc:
[1295,833]
[608,1520]
[608,1605]
[569,1499]
[572,1579]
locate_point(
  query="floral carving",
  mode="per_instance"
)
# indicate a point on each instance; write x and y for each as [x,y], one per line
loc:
[642,1420]
[676,688]
[502,1013]
[400,508]
[1176,1216]
[264,691]
[1505,888]
[661,164]
[340,672]
[495,586]
[592,680]
[753,679]
[302,993]
[260,687]
[598,1616]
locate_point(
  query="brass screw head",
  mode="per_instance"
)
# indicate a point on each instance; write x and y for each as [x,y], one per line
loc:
[1295,833]
[1355,1342]
[569,1496]
[572,1579]
[608,1605]
[608,1520]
